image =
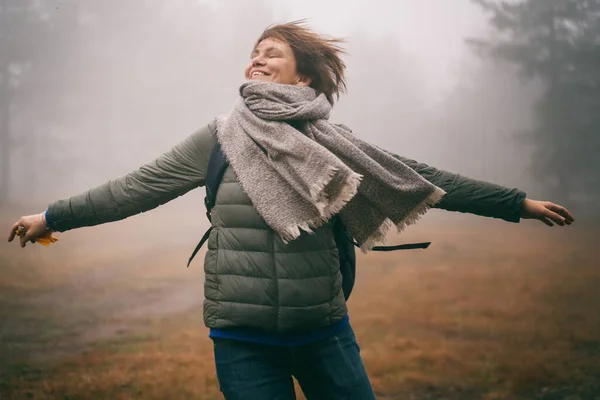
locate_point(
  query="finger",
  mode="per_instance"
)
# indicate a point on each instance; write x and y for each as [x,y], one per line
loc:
[546,221]
[23,241]
[563,212]
[28,237]
[555,217]
[13,231]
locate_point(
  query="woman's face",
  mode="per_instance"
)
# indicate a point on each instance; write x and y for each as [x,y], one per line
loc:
[273,61]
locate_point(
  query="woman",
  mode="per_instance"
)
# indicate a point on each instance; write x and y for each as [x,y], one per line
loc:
[273,295]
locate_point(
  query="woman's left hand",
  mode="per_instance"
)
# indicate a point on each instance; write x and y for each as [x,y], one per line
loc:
[546,212]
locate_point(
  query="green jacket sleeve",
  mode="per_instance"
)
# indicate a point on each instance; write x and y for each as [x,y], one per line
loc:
[470,195]
[171,175]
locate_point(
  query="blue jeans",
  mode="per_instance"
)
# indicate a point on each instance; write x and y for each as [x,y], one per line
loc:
[327,369]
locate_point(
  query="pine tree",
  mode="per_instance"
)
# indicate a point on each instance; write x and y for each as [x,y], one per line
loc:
[557,42]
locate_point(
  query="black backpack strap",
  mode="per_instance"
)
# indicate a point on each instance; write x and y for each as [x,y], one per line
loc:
[408,246]
[200,244]
[217,164]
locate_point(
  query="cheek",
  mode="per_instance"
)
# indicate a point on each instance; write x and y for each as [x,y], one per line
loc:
[281,72]
[287,71]
[247,70]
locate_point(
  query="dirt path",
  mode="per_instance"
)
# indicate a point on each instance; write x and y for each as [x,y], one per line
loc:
[98,304]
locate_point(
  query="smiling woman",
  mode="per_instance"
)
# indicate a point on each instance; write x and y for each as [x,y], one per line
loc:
[294,55]
[274,292]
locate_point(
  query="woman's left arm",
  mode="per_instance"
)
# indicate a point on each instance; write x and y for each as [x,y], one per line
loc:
[487,199]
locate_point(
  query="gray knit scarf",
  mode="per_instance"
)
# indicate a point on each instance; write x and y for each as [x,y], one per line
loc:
[297,179]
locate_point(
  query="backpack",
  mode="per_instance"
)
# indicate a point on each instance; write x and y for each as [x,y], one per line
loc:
[345,243]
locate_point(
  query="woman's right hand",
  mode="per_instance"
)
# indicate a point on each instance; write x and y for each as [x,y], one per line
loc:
[33,227]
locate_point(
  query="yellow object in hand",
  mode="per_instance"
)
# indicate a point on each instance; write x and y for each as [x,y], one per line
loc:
[44,240]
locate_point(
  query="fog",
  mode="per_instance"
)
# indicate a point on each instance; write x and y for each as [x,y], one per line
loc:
[120,83]
[91,90]
[429,33]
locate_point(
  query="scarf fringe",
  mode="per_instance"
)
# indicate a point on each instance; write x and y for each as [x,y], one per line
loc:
[329,208]
[347,192]
[316,190]
[380,235]
[326,211]
[420,210]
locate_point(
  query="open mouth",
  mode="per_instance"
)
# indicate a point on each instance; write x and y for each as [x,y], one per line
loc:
[256,74]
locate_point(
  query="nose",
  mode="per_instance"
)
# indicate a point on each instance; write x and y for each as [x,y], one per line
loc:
[258,60]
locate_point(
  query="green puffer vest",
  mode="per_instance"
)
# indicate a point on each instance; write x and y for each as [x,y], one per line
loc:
[255,280]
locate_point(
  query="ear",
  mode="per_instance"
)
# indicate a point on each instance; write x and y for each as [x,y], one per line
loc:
[303,81]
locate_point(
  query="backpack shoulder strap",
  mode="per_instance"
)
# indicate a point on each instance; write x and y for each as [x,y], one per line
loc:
[217,164]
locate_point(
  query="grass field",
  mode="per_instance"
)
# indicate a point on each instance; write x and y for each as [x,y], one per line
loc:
[491,311]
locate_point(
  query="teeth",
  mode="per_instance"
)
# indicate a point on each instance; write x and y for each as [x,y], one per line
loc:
[256,73]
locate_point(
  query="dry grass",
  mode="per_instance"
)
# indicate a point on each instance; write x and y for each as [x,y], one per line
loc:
[490,311]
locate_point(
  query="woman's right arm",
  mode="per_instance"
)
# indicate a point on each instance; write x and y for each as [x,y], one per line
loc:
[171,175]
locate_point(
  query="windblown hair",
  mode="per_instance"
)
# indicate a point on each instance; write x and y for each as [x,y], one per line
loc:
[317,57]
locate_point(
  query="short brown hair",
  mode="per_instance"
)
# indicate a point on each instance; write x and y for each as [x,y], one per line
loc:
[317,57]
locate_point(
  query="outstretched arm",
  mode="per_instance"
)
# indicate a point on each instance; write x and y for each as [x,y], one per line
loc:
[487,199]
[171,175]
